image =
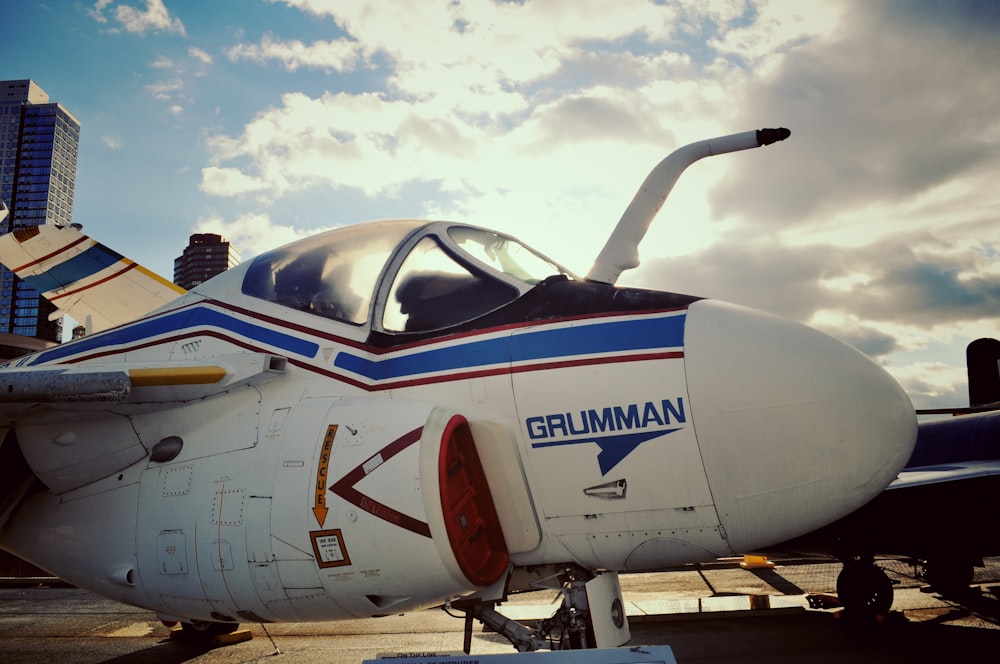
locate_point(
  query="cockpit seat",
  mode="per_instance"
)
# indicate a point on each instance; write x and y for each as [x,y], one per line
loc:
[433,300]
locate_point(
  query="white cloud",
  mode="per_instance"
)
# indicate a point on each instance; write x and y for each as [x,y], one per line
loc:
[165,89]
[171,88]
[162,62]
[780,25]
[228,182]
[339,55]
[885,110]
[932,384]
[200,54]
[504,108]
[112,141]
[97,13]
[155,18]
[558,165]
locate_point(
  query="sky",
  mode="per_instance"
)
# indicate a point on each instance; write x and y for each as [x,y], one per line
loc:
[269,120]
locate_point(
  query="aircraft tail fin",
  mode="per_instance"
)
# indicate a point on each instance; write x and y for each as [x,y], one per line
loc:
[86,280]
[982,358]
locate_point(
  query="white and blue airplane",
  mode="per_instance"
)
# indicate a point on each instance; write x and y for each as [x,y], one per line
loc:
[403,414]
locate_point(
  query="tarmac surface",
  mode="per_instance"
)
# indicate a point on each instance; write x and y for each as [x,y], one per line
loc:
[711,613]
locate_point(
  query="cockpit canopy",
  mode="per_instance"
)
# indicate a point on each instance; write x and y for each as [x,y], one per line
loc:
[403,276]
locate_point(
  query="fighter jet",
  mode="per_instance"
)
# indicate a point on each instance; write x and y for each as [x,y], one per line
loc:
[403,414]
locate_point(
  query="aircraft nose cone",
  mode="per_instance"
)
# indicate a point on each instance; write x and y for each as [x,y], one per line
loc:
[795,428]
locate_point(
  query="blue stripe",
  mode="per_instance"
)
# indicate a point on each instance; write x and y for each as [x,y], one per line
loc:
[82,265]
[608,337]
[196,317]
[465,356]
[555,344]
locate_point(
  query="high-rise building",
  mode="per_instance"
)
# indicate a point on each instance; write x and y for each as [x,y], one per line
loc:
[206,255]
[38,147]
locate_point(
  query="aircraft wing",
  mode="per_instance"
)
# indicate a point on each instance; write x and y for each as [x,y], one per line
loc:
[74,422]
[950,472]
[96,286]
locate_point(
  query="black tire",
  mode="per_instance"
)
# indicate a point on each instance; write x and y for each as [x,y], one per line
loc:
[864,590]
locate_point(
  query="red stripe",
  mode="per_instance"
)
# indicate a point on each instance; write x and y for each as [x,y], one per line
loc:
[54,253]
[96,283]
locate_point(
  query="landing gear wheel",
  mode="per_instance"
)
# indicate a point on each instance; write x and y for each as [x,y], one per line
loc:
[203,631]
[864,590]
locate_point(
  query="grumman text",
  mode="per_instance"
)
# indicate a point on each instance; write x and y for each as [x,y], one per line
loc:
[608,419]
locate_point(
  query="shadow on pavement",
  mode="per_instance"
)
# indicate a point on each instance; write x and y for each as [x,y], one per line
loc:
[167,651]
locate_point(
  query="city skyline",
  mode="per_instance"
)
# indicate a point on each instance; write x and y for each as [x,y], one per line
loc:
[267,121]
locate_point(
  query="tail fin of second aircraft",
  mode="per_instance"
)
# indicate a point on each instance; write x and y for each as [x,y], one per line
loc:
[982,358]
[98,287]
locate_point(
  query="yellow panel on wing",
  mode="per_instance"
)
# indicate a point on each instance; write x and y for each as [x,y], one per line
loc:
[202,375]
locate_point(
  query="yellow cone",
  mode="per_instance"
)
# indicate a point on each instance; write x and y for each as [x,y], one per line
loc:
[756,562]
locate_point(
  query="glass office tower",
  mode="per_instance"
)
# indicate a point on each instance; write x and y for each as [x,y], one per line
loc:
[38,148]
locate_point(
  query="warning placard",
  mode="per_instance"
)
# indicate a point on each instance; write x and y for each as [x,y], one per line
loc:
[328,545]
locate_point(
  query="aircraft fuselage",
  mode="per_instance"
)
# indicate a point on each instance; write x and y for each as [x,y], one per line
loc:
[343,471]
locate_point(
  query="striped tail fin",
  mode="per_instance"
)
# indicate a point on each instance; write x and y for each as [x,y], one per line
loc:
[94,285]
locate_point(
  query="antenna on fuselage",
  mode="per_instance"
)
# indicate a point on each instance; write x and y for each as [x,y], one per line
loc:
[621,251]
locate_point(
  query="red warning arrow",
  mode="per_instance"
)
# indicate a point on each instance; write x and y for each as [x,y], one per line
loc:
[319,504]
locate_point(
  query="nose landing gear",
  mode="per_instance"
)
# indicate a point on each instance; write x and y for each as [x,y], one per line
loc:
[864,589]
[592,615]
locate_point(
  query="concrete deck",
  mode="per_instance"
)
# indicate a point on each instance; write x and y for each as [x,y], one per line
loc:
[715,613]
